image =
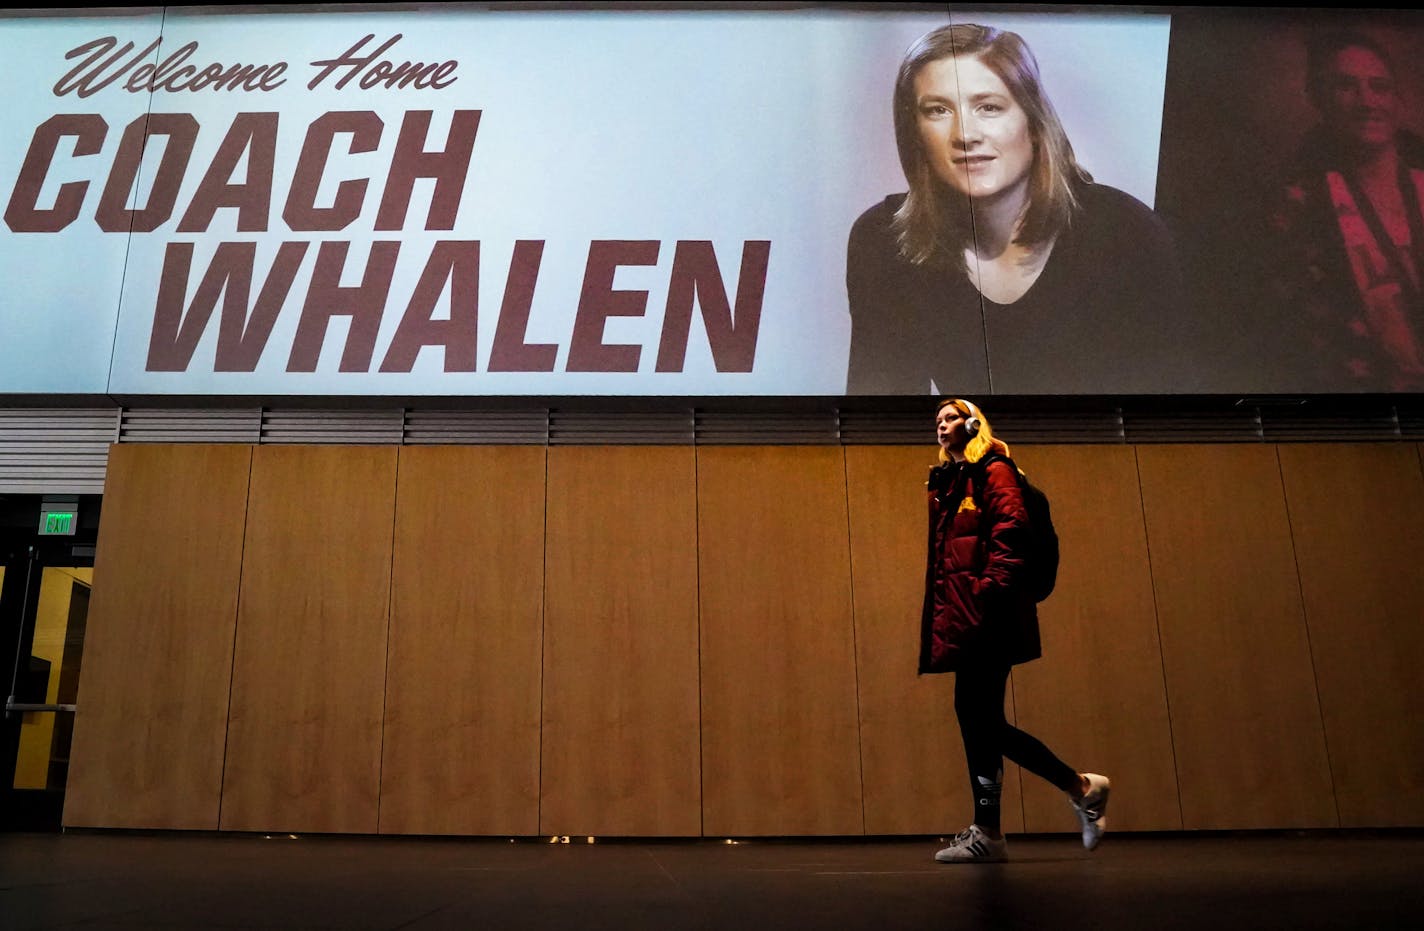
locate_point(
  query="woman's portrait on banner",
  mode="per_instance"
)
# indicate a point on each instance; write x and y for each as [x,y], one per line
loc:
[1005,267]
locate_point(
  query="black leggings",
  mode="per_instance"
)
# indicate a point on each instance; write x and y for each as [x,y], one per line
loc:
[989,737]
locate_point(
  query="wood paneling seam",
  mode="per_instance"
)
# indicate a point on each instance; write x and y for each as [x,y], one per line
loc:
[236,618]
[1309,647]
[697,578]
[1157,623]
[386,670]
[543,638]
[854,643]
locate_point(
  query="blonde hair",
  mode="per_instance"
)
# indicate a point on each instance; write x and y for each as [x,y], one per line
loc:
[983,442]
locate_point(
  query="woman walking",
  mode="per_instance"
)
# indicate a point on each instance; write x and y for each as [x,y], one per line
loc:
[980,620]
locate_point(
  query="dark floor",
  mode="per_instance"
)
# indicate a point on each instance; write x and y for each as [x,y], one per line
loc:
[1202,883]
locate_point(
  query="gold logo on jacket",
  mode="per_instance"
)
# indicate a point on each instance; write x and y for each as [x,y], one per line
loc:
[967,504]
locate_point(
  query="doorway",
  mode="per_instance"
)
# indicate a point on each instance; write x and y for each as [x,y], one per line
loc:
[45,586]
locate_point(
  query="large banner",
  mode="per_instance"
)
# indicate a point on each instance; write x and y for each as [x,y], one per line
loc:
[817,203]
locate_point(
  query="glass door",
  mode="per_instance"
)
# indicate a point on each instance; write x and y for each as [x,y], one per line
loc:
[44,609]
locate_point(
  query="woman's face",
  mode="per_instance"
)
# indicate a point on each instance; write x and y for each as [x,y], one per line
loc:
[1359,101]
[974,134]
[950,430]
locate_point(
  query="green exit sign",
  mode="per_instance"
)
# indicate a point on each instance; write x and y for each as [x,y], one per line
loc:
[57,523]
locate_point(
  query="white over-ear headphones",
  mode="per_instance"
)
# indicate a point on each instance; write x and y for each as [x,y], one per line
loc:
[974,421]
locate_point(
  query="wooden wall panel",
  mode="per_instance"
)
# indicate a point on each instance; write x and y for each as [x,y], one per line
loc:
[460,752]
[1246,724]
[152,706]
[304,730]
[621,734]
[916,780]
[1357,517]
[1097,697]
[779,731]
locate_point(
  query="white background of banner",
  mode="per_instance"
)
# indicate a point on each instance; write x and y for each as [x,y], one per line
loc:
[710,126]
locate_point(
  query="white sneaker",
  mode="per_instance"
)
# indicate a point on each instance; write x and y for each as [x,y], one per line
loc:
[972,845]
[1092,809]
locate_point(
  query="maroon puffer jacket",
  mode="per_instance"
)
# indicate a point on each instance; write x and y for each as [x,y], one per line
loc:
[975,609]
